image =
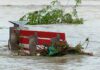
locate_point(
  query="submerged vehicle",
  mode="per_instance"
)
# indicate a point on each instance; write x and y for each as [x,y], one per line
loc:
[39,43]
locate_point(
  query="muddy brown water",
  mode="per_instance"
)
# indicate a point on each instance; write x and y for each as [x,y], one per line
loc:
[74,35]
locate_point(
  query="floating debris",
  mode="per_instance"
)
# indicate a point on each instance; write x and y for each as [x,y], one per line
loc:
[53,14]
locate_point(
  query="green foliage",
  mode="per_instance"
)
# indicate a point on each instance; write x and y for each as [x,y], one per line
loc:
[53,2]
[51,15]
[78,2]
[67,18]
[42,17]
[78,21]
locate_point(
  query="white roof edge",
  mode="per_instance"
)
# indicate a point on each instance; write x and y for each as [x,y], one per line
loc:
[19,22]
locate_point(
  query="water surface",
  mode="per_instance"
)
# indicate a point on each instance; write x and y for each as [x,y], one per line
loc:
[90,11]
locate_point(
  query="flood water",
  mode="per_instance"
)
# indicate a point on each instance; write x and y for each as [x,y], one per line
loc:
[90,11]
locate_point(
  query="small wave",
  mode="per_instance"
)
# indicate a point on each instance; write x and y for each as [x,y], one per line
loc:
[31,5]
[3,41]
[20,5]
[1,27]
[4,27]
[95,41]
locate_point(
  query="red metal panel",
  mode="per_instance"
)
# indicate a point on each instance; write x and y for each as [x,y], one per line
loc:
[40,41]
[24,40]
[42,34]
[43,41]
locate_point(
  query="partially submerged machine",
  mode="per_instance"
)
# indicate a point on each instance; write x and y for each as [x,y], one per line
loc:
[39,43]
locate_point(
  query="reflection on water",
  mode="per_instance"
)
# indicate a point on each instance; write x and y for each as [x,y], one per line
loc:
[74,34]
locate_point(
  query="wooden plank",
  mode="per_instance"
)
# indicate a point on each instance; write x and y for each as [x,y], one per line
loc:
[13,41]
[32,45]
[42,34]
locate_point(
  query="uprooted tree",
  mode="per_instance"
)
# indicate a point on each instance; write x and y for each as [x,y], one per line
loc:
[53,14]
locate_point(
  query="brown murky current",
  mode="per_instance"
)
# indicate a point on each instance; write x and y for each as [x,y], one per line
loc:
[12,10]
